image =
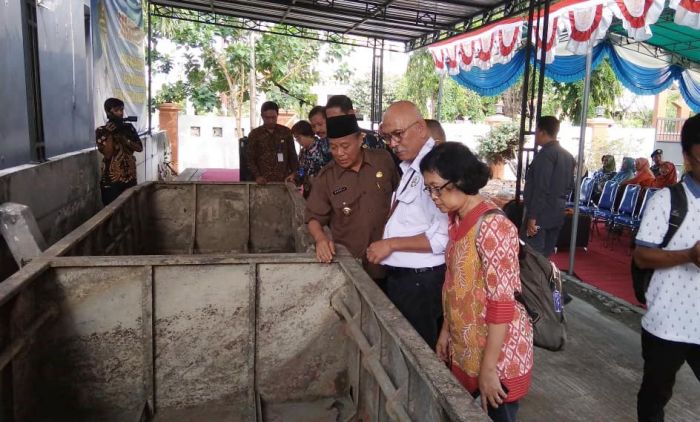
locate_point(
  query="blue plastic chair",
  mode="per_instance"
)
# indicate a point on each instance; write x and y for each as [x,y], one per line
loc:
[584,202]
[626,210]
[633,221]
[604,209]
[628,205]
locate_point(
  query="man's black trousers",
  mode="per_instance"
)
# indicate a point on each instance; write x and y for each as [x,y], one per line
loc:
[418,295]
[662,360]
[111,191]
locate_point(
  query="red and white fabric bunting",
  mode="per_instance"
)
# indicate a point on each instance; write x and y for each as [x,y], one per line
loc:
[586,24]
[687,12]
[491,45]
[550,41]
[637,16]
[585,21]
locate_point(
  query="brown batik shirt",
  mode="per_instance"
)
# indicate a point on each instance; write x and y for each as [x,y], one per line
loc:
[355,204]
[271,154]
[117,148]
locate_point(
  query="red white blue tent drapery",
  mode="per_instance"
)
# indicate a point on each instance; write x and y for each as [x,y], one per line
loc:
[489,61]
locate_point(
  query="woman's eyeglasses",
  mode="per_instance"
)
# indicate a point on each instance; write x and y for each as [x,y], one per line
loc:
[435,191]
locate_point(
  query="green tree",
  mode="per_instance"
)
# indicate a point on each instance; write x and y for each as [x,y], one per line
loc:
[500,144]
[218,66]
[420,85]
[420,82]
[567,97]
[361,95]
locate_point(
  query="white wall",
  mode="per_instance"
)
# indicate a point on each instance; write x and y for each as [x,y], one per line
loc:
[207,150]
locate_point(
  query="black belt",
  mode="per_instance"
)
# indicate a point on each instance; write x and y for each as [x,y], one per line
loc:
[416,270]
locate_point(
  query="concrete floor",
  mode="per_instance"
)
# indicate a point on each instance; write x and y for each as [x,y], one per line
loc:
[598,375]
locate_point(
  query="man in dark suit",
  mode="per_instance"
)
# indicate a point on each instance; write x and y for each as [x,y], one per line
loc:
[548,182]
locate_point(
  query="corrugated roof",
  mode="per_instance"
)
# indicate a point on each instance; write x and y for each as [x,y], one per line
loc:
[400,24]
[408,23]
[675,43]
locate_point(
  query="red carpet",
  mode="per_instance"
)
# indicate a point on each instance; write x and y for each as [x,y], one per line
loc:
[220,175]
[603,266]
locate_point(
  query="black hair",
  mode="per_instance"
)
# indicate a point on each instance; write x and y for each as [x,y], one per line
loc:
[435,128]
[340,101]
[317,110]
[456,163]
[111,103]
[302,127]
[269,105]
[549,124]
[690,134]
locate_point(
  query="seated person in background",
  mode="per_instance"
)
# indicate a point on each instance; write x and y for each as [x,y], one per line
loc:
[436,131]
[667,175]
[626,170]
[311,157]
[644,177]
[605,173]
[658,158]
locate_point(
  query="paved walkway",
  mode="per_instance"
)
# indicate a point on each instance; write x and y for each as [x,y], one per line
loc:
[597,377]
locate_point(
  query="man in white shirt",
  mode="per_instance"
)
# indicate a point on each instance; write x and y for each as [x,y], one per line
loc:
[671,325]
[416,234]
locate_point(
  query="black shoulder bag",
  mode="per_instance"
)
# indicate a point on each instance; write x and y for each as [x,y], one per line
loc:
[679,208]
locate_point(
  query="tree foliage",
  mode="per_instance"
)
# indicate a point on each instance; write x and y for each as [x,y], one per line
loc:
[218,65]
[421,83]
[567,97]
[500,144]
[361,93]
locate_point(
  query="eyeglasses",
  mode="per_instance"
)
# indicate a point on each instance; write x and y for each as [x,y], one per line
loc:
[398,134]
[435,191]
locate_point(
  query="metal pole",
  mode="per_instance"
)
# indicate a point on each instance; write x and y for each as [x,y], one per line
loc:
[150,40]
[252,81]
[529,46]
[438,111]
[543,59]
[579,166]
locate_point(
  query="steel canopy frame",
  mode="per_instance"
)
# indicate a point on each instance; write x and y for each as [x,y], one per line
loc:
[408,22]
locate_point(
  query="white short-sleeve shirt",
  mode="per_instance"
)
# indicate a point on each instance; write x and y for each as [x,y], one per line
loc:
[415,213]
[673,297]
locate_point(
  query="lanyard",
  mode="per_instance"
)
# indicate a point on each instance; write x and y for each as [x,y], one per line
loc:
[396,198]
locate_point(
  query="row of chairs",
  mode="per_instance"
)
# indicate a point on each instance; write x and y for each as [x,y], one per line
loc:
[626,214]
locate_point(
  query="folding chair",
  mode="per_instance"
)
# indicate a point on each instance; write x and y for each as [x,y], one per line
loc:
[632,222]
[626,210]
[584,202]
[604,209]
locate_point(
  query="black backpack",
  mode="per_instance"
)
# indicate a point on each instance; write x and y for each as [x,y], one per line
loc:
[541,295]
[679,208]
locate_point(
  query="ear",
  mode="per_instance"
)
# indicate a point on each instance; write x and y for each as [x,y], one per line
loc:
[422,128]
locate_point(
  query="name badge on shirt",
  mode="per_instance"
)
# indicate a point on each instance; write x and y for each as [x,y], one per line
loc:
[280,157]
[341,189]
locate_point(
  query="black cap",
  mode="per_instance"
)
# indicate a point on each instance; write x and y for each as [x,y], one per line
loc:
[340,126]
[657,152]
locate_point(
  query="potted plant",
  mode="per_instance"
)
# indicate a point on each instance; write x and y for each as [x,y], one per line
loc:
[498,146]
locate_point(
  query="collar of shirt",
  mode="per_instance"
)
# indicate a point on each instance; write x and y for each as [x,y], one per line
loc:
[692,185]
[366,160]
[415,164]
[549,144]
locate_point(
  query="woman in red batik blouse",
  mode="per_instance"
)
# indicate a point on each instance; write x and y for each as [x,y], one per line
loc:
[486,337]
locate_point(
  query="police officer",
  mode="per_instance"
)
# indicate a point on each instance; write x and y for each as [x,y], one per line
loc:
[352,195]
